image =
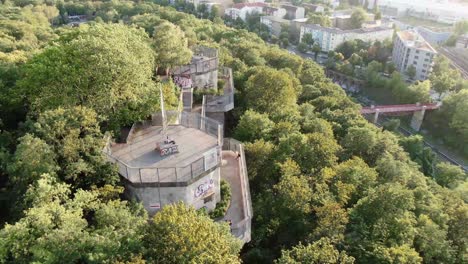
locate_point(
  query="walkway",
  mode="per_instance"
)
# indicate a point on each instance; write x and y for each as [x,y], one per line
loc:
[398,108]
[230,173]
[239,211]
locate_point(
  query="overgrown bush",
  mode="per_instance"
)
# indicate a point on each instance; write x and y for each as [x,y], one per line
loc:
[223,205]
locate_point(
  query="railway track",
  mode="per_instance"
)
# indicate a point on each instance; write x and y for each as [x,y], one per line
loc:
[457,61]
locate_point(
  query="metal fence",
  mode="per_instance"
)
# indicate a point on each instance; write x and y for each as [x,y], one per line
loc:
[179,174]
[243,227]
[198,66]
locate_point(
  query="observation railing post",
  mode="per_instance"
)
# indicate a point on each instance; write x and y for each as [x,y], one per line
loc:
[139,172]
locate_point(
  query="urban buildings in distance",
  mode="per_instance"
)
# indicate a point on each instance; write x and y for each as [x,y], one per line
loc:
[410,49]
[330,38]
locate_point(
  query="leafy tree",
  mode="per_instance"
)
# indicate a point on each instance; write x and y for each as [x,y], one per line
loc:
[355,59]
[382,218]
[308,39]
[444,80]
[319,19]
[171,46]
[32,158]
[302,47]
[270,91]
[391,125]
[253,125]
[76,139]
[63,230]
[174,236]
[449,175]
[316,49]
[420,92]
[353,173]
[390,67]
[378,15]
[331,222]
[321,251]
[358,17]
[361,141]
[260,154]
[70,73]
[411,71]
[312,151]
[399,254]
[422,155]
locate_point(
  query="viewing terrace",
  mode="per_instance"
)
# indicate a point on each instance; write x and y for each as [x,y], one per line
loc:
[199,142]
[203,60]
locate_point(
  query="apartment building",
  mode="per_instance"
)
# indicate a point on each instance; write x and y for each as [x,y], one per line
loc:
[274,24]
[241,10]
[409,49]
[292,11]
[329,38]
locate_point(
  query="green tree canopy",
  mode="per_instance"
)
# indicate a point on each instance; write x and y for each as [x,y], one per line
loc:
[171,46]
[321,251]
[270,91]
[72,72]
[59,229]
[358,17]
[75,136]
[253,125]
[179,234]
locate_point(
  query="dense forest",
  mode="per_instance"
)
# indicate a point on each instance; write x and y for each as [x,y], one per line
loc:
[327,186]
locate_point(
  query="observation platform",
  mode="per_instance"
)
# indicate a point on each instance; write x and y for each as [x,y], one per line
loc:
[192,143]
[199,142]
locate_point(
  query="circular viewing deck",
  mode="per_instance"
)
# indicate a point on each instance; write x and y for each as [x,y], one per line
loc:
[199,148]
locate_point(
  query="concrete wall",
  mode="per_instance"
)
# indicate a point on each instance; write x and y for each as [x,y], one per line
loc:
[154,197]
[208,80]
[403,56]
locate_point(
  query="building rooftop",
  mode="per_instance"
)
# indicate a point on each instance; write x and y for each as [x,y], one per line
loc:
[414,40]
[276,19]
[242,5]
[139,161]
[341,31]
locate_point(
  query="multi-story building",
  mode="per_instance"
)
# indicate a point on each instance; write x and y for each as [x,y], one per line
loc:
[274,11]
[409,49]
[329,38]
[292,11]
[241,10]
[274,24]
[311,8]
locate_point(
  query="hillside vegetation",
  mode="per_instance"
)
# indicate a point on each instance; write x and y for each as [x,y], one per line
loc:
[327,186]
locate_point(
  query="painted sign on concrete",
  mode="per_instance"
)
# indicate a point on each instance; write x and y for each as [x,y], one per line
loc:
[183,82]
[204,188]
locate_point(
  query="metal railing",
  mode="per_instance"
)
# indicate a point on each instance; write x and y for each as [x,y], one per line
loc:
[177,174]
[203,65]
[244,226]
[168,175]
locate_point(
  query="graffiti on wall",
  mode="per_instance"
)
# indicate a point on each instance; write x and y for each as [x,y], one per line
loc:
[204,188]
[182,81]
